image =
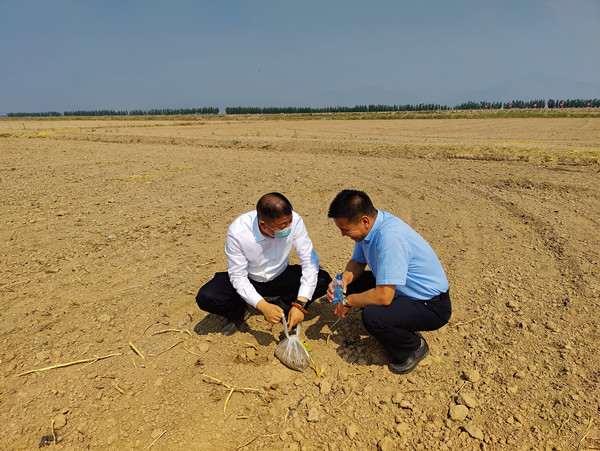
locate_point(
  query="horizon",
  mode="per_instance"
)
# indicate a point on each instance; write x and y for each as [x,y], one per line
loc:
[545,104]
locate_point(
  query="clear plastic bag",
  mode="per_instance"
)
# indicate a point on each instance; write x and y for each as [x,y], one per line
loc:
[291,350]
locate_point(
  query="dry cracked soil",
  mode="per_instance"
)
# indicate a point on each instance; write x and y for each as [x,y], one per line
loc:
[109,227]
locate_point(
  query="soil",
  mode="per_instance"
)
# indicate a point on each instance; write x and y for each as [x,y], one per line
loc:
[108,228]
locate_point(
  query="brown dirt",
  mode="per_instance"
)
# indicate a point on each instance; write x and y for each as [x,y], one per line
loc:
[108,229]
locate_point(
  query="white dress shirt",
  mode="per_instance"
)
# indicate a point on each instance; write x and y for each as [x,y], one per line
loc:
[250,254]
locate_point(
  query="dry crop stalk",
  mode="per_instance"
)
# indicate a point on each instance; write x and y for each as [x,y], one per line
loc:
[318,372]
[156,439]
[168,349]
[358,373]
[173,330]
[247,443]
[192,352]
[232,388]
[62,365]
[461,387]
[587,430]
[146,329]
[136,350]
[339,408]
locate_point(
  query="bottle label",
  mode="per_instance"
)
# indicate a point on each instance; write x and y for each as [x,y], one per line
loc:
[338,293]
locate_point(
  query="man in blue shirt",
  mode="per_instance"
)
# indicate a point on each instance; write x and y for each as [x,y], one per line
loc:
[405,291]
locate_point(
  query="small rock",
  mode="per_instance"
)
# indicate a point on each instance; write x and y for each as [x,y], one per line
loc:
[402,428]
[112,438]
[351,430]
[520,374]
[397,398]
[42,355]
[406,405]
[458,412]
[60,421]
[468,400]
[513,305]
[386,444]
[156,433]
[313,415]
[325,387]
[551,325]
[203,347]
[104,318]
[473,376]
[474,431]
[250,354]
[158,382]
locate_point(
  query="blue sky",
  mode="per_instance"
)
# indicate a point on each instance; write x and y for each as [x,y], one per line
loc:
[65,55]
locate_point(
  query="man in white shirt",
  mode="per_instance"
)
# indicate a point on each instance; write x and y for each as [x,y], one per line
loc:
[258,246]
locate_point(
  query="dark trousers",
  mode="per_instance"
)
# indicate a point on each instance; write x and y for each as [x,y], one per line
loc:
[219,297]
[394,325]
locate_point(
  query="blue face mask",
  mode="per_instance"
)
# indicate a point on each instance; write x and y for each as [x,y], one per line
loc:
[280,233]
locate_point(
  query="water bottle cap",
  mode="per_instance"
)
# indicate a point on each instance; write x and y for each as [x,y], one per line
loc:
[338,277]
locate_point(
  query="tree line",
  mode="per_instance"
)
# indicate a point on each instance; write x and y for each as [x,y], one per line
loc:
[334,109]
[539,103]
[152,112]
[471,105]
[516,104]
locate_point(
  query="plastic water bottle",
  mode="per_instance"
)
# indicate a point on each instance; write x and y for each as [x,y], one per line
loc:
[338,289]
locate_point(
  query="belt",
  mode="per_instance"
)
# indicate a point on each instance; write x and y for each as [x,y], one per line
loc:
[441,297]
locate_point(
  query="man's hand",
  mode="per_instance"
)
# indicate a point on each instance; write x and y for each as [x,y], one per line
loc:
[341,311]
[330,294]
[295,317]
[272,313]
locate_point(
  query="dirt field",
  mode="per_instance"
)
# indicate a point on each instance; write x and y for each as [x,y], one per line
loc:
[108,228]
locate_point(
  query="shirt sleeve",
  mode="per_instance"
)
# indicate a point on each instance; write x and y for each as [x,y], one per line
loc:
[308,259]
[359,255]
[237,268]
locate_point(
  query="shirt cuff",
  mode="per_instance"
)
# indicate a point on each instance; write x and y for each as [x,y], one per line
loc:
[306,292]
[254,299]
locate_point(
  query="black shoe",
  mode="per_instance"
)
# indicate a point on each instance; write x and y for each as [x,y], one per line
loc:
[232,326]
[412,361]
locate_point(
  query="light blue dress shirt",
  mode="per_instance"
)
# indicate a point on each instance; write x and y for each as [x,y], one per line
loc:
[397,255]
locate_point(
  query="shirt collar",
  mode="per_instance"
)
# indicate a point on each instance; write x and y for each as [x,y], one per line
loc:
[258,236]
[373,232]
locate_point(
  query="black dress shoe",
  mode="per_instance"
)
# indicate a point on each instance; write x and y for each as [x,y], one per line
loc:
[412,361]
[232,326]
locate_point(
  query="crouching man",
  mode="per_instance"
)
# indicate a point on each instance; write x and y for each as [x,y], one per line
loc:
[406,290]
[258,246]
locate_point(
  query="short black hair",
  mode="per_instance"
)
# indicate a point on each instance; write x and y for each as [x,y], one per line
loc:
[272,206]
[351,205]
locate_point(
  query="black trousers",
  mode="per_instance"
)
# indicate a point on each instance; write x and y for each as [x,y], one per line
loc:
[219,297]
[394,325]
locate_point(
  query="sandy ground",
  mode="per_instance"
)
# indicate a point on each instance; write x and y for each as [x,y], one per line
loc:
[108,229]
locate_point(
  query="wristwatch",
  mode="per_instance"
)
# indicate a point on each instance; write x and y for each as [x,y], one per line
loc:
[345,302]
[302,304]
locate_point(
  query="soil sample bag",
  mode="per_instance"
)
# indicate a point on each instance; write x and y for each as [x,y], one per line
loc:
[291,351]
